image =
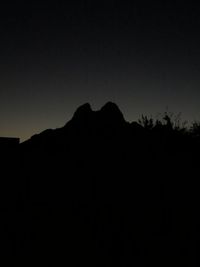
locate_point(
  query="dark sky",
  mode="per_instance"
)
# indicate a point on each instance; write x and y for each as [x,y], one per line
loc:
[55,57]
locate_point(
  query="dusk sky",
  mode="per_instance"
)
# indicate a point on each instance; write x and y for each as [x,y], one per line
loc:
[55,57]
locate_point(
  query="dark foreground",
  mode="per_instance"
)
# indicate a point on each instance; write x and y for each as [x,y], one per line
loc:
[102,192]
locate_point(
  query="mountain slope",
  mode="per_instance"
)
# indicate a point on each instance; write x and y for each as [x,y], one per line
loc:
[103,191]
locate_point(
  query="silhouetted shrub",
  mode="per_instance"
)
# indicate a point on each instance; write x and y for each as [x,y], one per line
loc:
[195,129]
[147,123]
[167,121]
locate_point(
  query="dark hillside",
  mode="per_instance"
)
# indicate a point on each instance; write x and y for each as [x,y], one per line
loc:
[102,192]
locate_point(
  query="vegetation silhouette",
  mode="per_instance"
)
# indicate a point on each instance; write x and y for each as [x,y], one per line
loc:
[102,191]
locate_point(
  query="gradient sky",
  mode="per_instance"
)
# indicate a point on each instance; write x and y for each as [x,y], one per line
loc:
[55,57]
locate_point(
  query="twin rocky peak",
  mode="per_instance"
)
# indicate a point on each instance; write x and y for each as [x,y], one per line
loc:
[108,114]
[109,117]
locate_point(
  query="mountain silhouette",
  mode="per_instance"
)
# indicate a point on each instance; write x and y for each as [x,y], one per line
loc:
[102,191]
[109,112]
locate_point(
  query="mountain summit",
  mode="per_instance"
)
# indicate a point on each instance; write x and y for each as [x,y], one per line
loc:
[83,112]
[109,114]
